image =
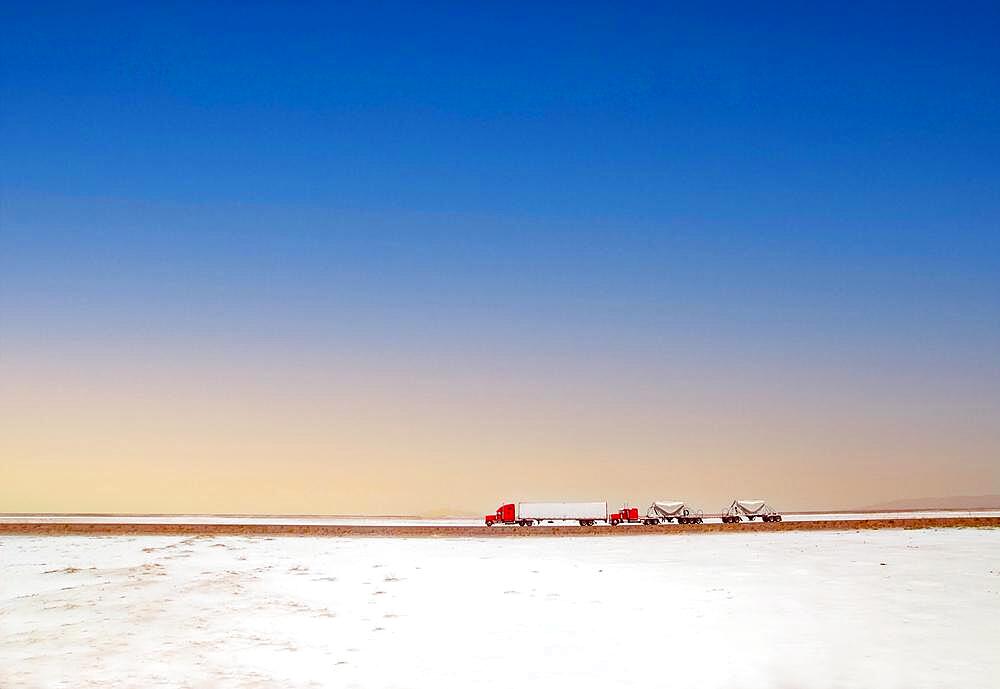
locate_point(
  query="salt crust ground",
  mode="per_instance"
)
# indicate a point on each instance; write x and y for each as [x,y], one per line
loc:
[795,609]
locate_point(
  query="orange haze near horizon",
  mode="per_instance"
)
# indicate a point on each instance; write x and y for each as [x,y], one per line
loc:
[105,435]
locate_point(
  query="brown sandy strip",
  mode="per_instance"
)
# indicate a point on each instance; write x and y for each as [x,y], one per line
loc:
[124,529]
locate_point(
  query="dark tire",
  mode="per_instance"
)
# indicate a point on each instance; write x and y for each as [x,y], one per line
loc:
[777,517]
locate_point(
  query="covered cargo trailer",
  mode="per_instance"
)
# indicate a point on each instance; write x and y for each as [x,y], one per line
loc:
[751,509]
[529,513]
[668,510]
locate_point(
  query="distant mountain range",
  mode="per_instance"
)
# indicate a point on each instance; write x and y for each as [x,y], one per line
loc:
[956,502]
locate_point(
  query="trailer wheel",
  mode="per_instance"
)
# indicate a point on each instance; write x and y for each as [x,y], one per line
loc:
[777,517]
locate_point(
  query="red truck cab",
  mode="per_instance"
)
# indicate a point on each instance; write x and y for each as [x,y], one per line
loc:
[624,515]
[505,514]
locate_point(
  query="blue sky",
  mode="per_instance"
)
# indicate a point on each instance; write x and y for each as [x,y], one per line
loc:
[806,191]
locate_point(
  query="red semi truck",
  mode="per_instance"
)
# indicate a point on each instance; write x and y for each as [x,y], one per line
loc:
[661,512]
[531,513]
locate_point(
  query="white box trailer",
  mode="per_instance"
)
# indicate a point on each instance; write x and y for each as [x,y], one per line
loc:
[529,513]
[582,512]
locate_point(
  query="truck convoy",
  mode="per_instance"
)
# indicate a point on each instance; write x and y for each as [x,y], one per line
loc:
[590,513]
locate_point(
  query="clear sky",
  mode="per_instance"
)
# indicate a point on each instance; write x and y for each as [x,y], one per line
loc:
[271,257]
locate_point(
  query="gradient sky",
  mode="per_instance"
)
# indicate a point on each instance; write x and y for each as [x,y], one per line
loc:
[423,257]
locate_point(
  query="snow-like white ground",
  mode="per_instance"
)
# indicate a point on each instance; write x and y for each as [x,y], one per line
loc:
[887,608]
[409,521]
